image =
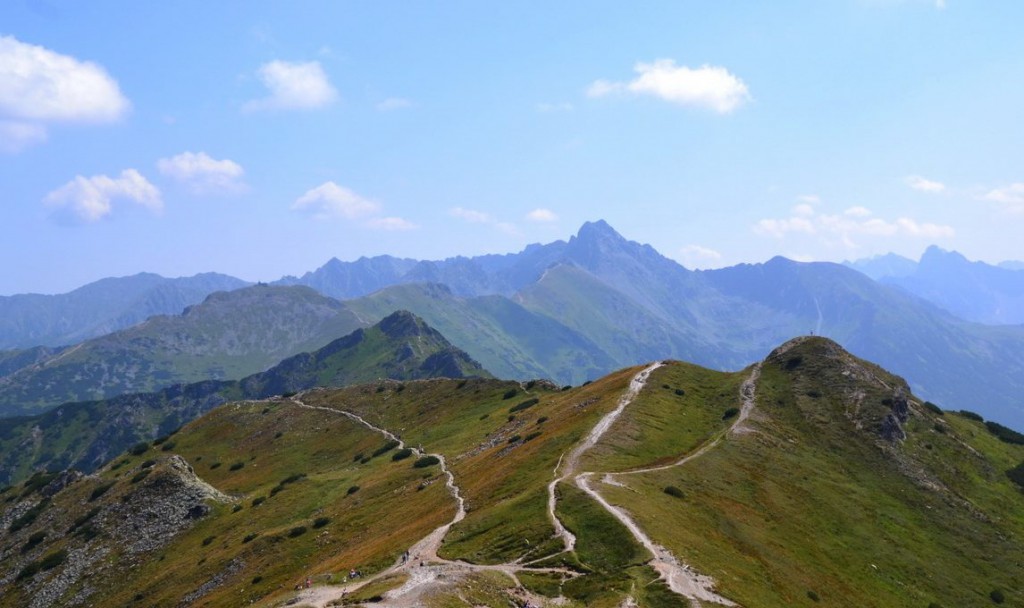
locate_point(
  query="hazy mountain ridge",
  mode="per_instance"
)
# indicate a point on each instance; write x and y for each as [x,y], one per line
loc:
[85,435]
[228,336]
[838,486]
[102,307]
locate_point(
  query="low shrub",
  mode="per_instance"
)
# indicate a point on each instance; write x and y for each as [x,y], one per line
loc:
[53,560]
[674,492]
[510,393]
[144,473]
[1004,434]
[426,461]
[148,463]
[931,407]
[100,491]
[236,466]
[249,538]
[28,571]
[680,392]
[83,519]
[296,531]
[320,522]
[215,465]
[352,490]
[1016,475]
[259,500]
[525,405]
[208,540]
[384,449]
[813,596]
[514,438]
[256,580]
[531,436]
[732,412]
[542,420]
[997,596]
[357,457]
[29,516]
[139,448]
[971,415]
[401,454]
[32,541]
[236,508]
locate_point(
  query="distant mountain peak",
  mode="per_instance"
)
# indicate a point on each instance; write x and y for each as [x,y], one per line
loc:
[598,229]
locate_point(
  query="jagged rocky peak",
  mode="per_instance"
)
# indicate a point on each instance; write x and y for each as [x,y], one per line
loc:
[403,323]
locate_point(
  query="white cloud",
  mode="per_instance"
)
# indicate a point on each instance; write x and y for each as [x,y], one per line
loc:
[858,211]
[1010,195]
[203,173]
[394,103]
[39,86]
[329,200]
[855,221]
[88,199]
[479,217]
[391,223]
[470,215]
[924,185]
[779,228]
[697,256]
[16,136]
[803,210]
[710,87]
[293,86]
[545,107]
[542,215]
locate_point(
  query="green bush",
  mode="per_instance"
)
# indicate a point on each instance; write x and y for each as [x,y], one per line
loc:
[387,447]
[28,571]
[139,448]
[525,405]
[426,461]
[674,491]
[514,438]
[1006,435]
[236,508]
[997,596]
[33,540]
[257,579]
[236,466]
[29,516]
[320,522]
[813,596]
[215,465]
[208,540]
[82,520]
[352,490]
[296,531]
[971,415]
[510,393]
[1016,475]
[732,412]
[148,463]
[100,491]
[931,407]
[680,392]
[140,475]
[53,560]
[531,436]
[249,538]
[401,454]
[259,500]
[542,420]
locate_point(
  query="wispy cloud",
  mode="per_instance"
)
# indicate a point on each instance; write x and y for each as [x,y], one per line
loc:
[479,217]
[394,103]
[854,221]
[293,86]
[698,256]
[542,215]
[709,87]
[924,185]
[202,173]
[329,200]
[39,86]
[1011,197]
[88,199]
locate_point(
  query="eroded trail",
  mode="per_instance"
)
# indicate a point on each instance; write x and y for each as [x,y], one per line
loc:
[680,577]
[426,572]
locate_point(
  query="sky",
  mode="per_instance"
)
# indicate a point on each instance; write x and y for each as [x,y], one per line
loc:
[260,139]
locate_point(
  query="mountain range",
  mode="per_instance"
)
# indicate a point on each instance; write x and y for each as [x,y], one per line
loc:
[810,477]
[575,310]
[85,435]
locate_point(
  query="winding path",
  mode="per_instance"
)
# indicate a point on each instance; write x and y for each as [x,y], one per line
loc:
[425,569]
[680,578]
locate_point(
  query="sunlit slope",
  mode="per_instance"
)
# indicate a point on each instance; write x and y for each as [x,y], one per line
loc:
[823,497]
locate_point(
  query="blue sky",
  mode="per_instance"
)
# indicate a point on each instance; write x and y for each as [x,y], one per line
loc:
[261,139]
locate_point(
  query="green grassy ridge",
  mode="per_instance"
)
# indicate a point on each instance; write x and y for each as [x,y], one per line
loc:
[818,502]
[367,529]
[228,336]
[85,435]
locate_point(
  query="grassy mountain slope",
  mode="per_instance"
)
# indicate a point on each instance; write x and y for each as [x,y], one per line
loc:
[86,435]
[840,488]
[101,307]
[505,338]
[228,336]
